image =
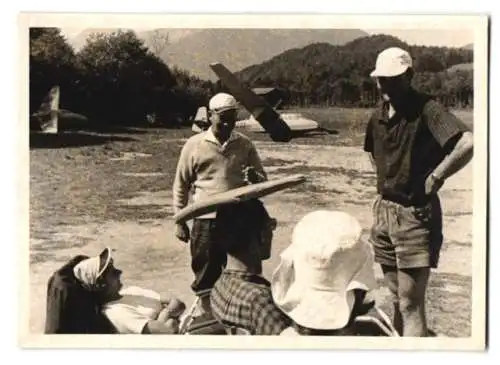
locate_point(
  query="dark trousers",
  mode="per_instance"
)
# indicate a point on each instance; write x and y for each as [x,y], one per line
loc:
[207,258]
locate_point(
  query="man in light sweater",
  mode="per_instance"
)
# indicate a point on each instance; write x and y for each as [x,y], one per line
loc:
[214,161]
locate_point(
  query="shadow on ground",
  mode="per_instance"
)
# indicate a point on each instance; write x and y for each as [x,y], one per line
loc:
[72,139]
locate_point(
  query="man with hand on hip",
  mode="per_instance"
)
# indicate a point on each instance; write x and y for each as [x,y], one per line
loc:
[214,161]
[414,145]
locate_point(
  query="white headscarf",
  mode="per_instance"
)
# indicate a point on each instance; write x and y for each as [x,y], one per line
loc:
[88,271]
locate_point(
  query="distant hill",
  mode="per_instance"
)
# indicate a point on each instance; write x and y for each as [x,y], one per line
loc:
[322,61]
[240,48]
[194,49]
[469,46]
[461,67]
[325,74]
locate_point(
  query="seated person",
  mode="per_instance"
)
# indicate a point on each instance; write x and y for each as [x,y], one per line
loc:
[324,275]
[242,297]
[131,310]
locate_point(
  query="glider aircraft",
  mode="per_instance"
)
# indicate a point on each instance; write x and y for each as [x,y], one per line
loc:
[282,127]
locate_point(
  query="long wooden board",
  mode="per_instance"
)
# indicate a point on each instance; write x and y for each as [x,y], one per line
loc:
[237,195]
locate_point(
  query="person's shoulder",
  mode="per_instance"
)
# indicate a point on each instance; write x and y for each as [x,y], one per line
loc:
[427,103]
[195,139]
[432,107]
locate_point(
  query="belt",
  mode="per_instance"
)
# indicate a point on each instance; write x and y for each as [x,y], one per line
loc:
[408,202]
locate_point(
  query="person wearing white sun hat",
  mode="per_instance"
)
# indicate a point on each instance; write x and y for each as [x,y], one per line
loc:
[414,145]
[324,274]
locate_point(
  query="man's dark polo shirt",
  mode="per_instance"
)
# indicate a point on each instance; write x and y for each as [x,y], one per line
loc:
[410,145]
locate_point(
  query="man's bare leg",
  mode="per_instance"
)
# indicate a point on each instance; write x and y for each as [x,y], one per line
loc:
[391,281]
[412,284]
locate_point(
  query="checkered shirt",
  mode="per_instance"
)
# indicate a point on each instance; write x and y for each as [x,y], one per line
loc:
[244,300]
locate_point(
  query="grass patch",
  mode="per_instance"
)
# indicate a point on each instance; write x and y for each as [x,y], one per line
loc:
[78,184]
[450,311]
[39,257]
[312,189]
[63,190]
[304,169]
[272,161]
[357,202]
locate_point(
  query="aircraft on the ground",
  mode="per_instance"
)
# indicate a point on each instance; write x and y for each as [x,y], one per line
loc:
[45,119]
[50,119]
[281,126]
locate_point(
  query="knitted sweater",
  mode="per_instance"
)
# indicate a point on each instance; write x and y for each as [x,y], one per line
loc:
[206,167]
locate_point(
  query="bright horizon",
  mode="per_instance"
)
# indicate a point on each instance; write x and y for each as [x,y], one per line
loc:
[424,37]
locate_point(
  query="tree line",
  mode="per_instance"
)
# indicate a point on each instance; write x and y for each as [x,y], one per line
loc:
[116,78]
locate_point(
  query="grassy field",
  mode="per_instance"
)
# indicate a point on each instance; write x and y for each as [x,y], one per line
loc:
[89,190]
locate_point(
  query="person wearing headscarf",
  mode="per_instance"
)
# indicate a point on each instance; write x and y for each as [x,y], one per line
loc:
[130,310]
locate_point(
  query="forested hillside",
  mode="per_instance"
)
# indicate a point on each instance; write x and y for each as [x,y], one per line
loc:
[323,74]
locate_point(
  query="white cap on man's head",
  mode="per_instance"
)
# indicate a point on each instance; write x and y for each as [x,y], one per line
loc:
[221,102]
[392,62]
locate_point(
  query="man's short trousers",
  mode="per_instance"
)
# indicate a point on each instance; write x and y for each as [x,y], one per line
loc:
[407,236]
[207,259]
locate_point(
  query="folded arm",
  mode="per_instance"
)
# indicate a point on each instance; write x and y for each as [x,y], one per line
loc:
[460,155]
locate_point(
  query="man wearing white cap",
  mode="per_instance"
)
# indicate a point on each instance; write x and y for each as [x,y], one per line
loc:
[214,161]
[324,275]
[414,144]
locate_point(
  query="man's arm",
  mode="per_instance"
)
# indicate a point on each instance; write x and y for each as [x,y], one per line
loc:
[454,137]
[460,155]
[183,177]
[368,144]
[127,320]
[255,162]
[161,328]
[372,161]
[173,307]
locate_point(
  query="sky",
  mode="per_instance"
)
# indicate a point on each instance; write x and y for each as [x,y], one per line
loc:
[425,37]
[430,37]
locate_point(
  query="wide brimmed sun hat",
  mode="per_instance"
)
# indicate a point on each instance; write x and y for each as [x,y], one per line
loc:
[326,260]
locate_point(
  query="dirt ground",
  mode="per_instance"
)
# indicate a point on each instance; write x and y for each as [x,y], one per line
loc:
[115,190]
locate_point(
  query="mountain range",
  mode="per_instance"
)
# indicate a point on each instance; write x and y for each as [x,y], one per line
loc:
[193,49]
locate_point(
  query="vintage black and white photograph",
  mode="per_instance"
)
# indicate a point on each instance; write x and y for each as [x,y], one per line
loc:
[310,181]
